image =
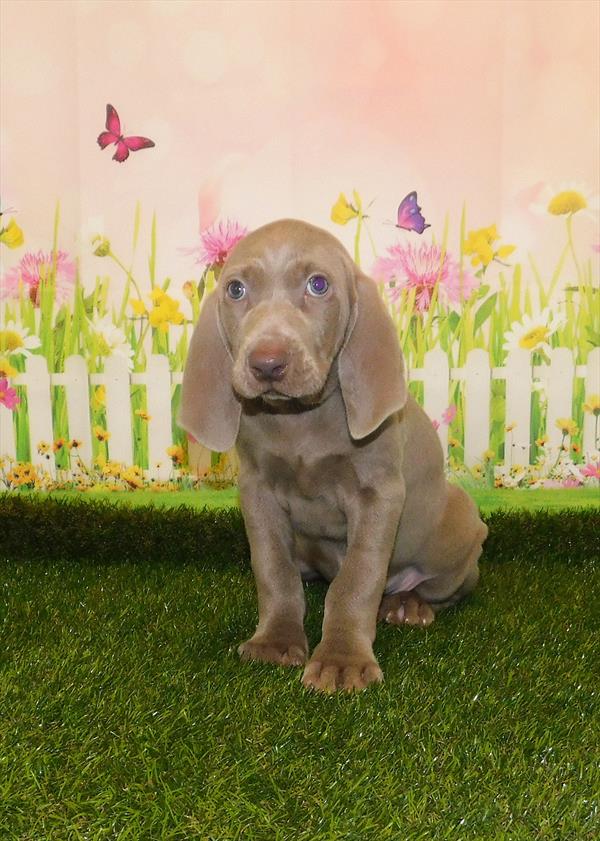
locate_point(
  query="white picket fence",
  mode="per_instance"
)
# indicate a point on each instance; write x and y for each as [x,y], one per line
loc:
[558,379]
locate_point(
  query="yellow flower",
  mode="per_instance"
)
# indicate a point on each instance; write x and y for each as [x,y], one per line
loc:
[176,454]
[143,415]
[567,201]
[99,398]
[74,444]
[12,235]
[6,369]
[480,244]
[165,312]
[489,455]
[23,474]
[111,468]
[541,441]
[592,405]
[576,448]
[157,295]
[58,444]
[43,447]
[510,426]
[139,307]
[342,211]
[134,476]
[476,471]
[567,426]
[453,442]
[101,434]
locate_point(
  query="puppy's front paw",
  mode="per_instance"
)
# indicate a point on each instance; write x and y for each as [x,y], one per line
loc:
[273,648]
[330,672]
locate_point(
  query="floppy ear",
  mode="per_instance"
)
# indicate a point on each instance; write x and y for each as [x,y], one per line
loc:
[370,366]
[209,409]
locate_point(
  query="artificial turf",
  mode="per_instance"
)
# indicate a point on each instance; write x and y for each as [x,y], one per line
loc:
[126,713]
[488,499]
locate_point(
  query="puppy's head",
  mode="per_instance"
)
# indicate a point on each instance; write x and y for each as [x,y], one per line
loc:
[290,302]
[284,300]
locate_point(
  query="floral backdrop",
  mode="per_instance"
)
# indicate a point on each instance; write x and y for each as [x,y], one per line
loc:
[452,146]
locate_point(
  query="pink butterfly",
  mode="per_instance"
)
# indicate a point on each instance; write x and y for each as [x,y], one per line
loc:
[113,135]
[409,214]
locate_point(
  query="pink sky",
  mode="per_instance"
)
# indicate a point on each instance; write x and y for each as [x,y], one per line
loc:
[282,105]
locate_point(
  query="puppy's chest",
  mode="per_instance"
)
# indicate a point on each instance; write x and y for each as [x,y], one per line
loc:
[310,490]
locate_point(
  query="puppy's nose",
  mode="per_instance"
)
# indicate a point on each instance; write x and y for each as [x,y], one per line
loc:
[268,362]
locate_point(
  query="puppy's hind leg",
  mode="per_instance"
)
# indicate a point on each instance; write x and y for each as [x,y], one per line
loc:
[449,561]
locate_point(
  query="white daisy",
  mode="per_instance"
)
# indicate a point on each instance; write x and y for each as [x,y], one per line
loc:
[17,340]
[567,197]
[533,332]
[111,340]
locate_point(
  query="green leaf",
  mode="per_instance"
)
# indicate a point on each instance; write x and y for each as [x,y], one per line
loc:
[453,321]
[484,311]
[593,336]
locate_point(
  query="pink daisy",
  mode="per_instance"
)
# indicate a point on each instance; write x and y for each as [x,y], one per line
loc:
[591,470]
[34,268]
[422,267]
[8,396]
[218,241]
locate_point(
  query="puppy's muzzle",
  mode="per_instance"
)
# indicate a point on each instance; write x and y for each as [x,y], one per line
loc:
[268,362]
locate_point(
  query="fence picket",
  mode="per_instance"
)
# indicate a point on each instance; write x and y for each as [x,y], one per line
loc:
[7,433]
[78,405]
[158,401]
[591,424]
[39,410]
[436,377]
[118,409]
[477,405]
[559,389]
[518,407]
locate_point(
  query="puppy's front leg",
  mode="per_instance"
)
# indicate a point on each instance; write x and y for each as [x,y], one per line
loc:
[344,658]
[279,636]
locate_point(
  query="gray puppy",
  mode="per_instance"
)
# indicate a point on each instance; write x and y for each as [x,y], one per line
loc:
[296,362]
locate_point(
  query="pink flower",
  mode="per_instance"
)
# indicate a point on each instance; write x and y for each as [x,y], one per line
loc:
[449,415]
[217,242]
[571,482]
[436,424]
[33,269]
[422,268]
[8,396]
[591,470]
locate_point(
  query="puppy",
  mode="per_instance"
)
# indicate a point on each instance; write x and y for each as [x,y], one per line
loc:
[295,361]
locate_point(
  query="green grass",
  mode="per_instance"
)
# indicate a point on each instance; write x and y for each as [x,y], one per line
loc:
[488,499]
[127,714]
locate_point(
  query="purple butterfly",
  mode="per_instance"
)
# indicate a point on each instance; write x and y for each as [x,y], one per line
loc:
[409,214]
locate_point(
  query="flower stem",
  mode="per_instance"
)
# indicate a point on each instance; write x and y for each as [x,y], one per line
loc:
[571,244]
[127,272]
[357,240]
[560,450]
[140,344]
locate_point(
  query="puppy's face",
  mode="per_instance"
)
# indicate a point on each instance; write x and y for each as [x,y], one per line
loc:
[285,297]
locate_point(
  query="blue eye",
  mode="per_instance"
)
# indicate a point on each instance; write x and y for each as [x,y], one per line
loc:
[317,285]
[236,290]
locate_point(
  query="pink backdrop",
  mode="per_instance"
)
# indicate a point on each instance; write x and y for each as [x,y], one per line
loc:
[279,106]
